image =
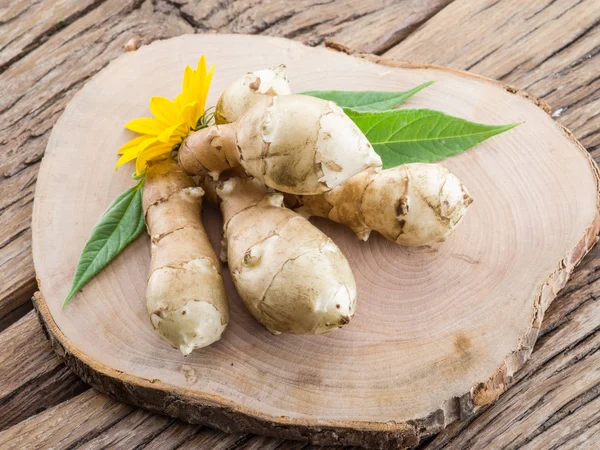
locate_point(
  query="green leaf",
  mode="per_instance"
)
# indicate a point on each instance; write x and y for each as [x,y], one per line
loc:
[367,100]
[420,135]
[120,224]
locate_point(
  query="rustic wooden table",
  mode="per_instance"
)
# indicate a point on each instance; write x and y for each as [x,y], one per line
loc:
[49,48]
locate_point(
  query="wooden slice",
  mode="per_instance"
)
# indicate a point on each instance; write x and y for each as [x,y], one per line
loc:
[439,330]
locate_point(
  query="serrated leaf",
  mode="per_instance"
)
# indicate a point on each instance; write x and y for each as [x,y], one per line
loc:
[420,135]
[120,225]
[367,100]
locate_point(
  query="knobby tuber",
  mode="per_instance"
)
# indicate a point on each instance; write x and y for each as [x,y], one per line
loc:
[185,296]
[411,204]
[290,275]
[293,143]
[244,92]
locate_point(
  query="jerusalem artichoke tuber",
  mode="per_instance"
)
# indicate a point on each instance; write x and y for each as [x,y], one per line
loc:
[412,204]
[293,143]
[244,92]
[185,296]
[290,275]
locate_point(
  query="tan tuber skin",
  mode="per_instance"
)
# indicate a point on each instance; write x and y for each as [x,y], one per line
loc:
[244,92]
[293,143]
[290,275]
[185,296]
[411,204]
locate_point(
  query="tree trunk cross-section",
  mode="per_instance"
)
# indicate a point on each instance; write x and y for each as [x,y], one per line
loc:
[439,331]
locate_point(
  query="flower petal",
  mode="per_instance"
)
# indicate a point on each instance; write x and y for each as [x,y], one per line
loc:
[206,84]
[201,68]
[189,114]
[133,152]
[155,151]
[174,134]
[125,158]
[133,143]
[198,80]
[188,74]
[146,125]
[164,110]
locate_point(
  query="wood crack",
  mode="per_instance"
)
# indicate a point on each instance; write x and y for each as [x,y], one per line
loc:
[155,434]
[546,6]
[17,16]
[17,200]
[485,8]
[576,433]
[189,18]
[39,40]
[577,2]
[568,44]
[490,53]
[590,133]
[563,72]
[98,431]
[562,413]
[266,25]
[308,28]
[402,31]
[240,441]
[188,438]
[14,237]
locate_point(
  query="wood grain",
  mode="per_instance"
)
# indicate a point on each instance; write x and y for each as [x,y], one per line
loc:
[104,423]
[39,108]
[56,428]
[551,50]
[552,391]
[23,31]
[51,55]
[33,378]
[361,26]
[466,359]
[564,314]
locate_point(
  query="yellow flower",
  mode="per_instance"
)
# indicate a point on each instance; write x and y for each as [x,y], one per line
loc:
[172,121]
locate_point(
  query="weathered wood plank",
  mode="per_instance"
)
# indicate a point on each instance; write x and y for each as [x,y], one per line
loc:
[133,431]
[546,47]
[93,421]
[573,431]
[26,25]
[73,422]
[15,315]
[362,26]
[173,436]
[32,378]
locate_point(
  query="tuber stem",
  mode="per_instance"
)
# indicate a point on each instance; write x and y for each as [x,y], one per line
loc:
[185,296]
